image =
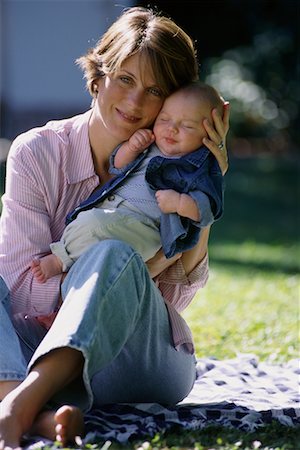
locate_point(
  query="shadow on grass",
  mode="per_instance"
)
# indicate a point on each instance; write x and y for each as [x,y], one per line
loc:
[236,265]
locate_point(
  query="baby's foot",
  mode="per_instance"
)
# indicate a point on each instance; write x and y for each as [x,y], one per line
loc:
[37,271]
[46,267]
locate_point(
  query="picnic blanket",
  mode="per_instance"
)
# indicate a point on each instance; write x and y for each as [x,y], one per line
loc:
[242,393]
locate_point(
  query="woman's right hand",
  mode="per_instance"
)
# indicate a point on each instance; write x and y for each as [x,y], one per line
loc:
[47,320]
[158,263]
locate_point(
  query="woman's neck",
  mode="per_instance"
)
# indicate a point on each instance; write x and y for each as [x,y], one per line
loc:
[102,146]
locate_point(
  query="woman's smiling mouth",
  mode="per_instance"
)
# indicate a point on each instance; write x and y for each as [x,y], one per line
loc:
[127,117]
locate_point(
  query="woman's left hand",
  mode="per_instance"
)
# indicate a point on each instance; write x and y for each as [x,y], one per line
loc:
[216,141]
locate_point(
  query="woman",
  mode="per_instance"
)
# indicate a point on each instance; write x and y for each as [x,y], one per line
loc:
[118,337]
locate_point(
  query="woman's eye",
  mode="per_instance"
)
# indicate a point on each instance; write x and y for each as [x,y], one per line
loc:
[155,91]
[125,79]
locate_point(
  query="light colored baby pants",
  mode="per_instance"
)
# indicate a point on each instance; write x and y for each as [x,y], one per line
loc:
[115,218]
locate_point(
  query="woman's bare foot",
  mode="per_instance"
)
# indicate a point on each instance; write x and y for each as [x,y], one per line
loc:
[46,267]
[16,420]
[63,425]
[69,420]
[21,410]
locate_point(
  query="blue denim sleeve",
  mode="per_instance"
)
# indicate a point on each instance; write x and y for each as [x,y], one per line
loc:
[206,215]
[112,169]
[123,170]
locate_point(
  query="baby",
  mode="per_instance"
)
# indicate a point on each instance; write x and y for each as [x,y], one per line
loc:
[172,188]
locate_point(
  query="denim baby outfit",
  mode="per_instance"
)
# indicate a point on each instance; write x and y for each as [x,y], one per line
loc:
[197,174]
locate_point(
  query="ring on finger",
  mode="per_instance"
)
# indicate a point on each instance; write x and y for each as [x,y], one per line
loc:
[221,145]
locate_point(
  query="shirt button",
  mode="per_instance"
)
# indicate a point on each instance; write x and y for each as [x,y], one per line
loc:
[111,198]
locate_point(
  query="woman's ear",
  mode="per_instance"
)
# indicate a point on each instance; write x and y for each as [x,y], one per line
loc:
[96,85]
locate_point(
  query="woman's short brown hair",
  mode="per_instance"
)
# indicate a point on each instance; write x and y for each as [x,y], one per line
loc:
[163,44]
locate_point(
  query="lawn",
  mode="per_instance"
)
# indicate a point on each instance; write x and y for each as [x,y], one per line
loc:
[251,302]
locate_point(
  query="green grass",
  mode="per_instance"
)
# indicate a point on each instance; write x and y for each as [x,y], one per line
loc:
[251,302]
[272,437]
[246,312]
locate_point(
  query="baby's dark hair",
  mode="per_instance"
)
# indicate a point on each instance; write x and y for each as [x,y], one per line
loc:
[206,93]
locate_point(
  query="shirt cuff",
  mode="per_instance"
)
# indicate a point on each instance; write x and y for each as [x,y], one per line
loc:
[49,292]
[176,273]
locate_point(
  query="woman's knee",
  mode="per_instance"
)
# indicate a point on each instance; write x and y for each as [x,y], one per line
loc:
[110,254]
[108,265]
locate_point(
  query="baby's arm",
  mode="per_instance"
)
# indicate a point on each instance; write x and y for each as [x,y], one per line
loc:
[170,201]
[137,143]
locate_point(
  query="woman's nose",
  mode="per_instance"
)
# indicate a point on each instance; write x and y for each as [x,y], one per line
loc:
[136,97]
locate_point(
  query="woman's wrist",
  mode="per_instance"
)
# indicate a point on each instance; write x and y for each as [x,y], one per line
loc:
[191,258]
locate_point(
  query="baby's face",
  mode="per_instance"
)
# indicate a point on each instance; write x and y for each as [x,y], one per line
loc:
[179,127]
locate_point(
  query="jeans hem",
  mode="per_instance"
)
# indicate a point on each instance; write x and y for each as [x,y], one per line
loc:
[86,405]
[12,376]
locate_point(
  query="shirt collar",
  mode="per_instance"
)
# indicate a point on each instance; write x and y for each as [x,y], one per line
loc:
[198,156]
[80,162]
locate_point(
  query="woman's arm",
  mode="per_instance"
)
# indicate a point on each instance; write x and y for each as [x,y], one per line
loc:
[38,196]
[159,263]
[176,285]
[191,258]
[24,231]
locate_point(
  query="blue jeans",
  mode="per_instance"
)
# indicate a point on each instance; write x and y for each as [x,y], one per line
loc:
[113,313]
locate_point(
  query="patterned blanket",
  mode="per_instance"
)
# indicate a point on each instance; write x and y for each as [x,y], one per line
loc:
[242,393]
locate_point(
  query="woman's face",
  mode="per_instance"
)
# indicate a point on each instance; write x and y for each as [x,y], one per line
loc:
[128,99]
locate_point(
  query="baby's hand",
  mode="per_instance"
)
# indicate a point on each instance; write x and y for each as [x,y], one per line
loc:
[167,200]
[140,140]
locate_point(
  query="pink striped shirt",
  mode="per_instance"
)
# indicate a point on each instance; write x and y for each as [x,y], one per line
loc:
[49,171]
